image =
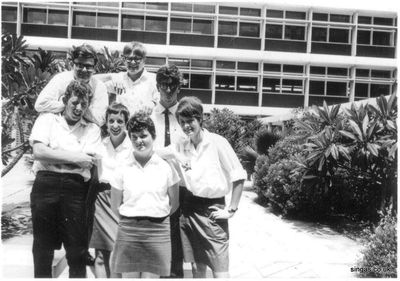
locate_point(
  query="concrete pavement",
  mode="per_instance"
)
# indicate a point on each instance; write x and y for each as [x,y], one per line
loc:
[262,244]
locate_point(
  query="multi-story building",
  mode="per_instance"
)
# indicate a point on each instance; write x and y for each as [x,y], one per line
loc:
[260,58]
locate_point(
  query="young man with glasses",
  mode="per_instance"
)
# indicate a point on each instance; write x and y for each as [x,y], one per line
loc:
[136,88]
[84,59]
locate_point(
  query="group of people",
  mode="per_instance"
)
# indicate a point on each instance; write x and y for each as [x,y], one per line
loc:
[148,196]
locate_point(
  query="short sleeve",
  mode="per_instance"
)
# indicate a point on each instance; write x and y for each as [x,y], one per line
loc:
[117,181]
[41,129]
[93,139]
[229,161]
[173,177]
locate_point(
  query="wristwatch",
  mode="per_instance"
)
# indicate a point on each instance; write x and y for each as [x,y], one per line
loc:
[232,211]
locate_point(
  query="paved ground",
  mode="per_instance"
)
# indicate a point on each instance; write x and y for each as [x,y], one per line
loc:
[262,244]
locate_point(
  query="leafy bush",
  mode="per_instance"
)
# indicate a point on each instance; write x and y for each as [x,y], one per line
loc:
[260,174]
[264,139]
[380,255]
[283,149]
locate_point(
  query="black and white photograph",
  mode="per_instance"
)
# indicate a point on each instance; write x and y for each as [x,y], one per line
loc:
[178,139]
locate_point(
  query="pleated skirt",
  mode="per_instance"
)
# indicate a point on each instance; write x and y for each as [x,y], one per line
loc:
[143,244]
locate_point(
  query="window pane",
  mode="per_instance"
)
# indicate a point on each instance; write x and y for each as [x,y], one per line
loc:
[380,73]
[292,86]
[58,17]
[157,6]
[317,70]
[198,8]
[203,26]
[250,12]
[272,67]
[35,15]
[364,37]
[247,84]
[336,89]
[248,66]
[227,28]
[181,25]
[319,34]
[381,38]
[320,16]
[8,14]
[249,29]
[185,80]
[200,81]
[85,19]
[202,64]
[181,63]
[224,82]
[295,15]
[317,88]
[338,35]
[274,14]
[156,24]
[340,18]
[107,20]
[228,10]
[133,5]
[364,20]
[294,32]
[155,61]
[273,31]
[361,90]
[181,7]
[132,22]
[362,72]
[293,68]
[383,21]
[379,89]
[337,71]
[108,4]
[271,85]
[226,65]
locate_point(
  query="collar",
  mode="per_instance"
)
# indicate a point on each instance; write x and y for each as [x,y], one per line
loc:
[188,146]
[125,144]
[159,109]
[143,76]
[154,159]
[60,119]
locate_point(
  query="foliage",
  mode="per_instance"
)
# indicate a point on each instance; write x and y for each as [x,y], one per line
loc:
[109,62]
[380,254]
[264,139]
[260,174]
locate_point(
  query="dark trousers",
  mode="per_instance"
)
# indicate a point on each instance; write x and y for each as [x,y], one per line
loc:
[176,245]
[58,217]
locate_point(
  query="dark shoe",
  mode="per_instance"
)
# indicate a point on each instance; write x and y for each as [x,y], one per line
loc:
[89,260]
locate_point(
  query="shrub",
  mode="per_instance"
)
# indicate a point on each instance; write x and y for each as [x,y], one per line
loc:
[380,255]
[260,174]
[283,149]
[264,139]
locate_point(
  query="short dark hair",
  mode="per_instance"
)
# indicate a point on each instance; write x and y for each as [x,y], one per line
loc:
[80,90]
[166,72]
[85,51]
[117,108]
[140,121]
[129,47]
[190,107]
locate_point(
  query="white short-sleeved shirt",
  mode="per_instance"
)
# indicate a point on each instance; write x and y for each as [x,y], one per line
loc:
[113,158]
[52,130]
[49,99]
[214,166]
[139,93]
[145,189]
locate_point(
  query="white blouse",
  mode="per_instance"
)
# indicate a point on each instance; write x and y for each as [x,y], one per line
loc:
[145,189]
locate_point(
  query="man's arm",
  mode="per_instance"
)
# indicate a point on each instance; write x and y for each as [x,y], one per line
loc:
[49,98]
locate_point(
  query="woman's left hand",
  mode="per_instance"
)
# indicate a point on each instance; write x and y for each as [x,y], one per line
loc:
[219,214]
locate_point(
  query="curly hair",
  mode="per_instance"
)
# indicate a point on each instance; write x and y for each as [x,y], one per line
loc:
[85,51]
[134,46]
[167,72]
[190,107]
[117,108]
[141,121]
[80,90]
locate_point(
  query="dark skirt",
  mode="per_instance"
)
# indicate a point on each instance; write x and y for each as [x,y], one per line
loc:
[105,223]
[143,244]
[204,240]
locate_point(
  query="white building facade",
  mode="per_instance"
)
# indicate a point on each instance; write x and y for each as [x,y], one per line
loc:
[258,59]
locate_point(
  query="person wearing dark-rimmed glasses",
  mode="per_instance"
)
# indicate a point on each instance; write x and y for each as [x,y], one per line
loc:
[135,88]
[84,59]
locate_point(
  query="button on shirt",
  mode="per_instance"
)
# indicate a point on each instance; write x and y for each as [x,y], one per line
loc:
[158,117]
[214,166]
[52,130]
[50,98]
[139,93]
[113,158]
[145,189]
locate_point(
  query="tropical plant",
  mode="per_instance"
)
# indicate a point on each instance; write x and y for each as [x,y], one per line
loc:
[109,62]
